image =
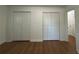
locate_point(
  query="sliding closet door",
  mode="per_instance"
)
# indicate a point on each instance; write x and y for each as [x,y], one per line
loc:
[51,26]
[21,26]
[17,26]
[26,26]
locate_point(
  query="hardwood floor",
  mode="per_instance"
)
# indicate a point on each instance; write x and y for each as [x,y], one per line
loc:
[72,43]
[46,47]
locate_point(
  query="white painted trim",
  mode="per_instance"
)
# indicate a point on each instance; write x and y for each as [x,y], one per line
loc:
[64,40]
[2,42]
[9,40]
[51,39]
[37,40]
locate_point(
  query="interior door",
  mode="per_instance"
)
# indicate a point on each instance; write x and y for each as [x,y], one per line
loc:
[21,25]
[51,25]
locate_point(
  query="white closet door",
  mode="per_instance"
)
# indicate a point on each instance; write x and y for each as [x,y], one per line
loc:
[51,26]
[26,26]
[46,19]
[17,26]
[21,26]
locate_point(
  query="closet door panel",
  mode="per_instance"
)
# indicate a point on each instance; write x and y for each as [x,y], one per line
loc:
[51,26]
[21,26]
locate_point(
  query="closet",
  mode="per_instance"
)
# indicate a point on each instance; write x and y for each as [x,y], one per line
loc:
[51,25]
[21,25]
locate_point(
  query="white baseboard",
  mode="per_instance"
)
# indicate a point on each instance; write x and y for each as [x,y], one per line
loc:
[2,42]
[64,40]
[50,39]
[9,40]
[37,40]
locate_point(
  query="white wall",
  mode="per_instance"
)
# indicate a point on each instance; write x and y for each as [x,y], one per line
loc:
[36,21]
[76,8]
[3,22]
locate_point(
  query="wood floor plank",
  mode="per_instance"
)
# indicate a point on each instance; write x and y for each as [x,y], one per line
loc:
[46,47]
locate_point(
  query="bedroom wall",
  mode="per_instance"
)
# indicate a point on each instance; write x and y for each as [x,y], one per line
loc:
[3,22]
[36,21]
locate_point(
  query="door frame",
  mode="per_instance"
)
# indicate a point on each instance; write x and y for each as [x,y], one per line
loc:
[74,22]
[43,24]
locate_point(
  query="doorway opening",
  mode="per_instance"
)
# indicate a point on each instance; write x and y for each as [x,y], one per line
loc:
[71,22]
[71,30]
